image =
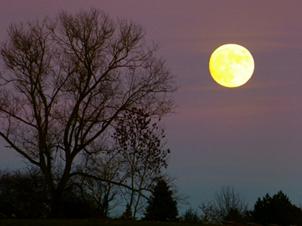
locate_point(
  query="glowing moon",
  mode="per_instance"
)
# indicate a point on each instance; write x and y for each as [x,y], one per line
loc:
[231,65]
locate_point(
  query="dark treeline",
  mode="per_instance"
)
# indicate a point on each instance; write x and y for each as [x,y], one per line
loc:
[228,207]
[24,195]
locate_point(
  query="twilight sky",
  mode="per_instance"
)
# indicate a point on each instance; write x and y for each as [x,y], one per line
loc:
[249,137]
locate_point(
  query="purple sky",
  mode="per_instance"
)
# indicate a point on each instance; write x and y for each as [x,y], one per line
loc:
[248,138]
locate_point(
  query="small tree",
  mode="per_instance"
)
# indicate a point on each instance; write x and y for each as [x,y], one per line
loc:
[208,213]
[226,206]
[143,155]
[162,206]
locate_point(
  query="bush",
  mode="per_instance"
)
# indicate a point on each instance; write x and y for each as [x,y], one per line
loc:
[191,216]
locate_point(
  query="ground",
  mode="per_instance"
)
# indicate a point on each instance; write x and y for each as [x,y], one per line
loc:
[84,223]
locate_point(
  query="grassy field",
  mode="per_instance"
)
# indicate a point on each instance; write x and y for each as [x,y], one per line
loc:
[84,223]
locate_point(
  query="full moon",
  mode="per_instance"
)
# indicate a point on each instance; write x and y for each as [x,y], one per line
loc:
[231,65]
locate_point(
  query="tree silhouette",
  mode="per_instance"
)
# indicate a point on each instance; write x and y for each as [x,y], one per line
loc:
[66,82]
[143,155]
[226,206]
[162,206]
[276,210]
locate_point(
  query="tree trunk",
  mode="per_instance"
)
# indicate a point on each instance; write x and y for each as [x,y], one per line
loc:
[57,194]
[56,204]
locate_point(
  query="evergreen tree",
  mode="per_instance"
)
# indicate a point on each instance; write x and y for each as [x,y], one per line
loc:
[161,206]
[277,210]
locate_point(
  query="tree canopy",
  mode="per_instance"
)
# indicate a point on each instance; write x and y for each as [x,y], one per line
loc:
[67,81]
[277,209]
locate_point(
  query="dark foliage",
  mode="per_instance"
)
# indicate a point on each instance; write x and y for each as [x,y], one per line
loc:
[234,215]
[277,210]
[191,216]
[24,195]
[75,206]
[161,206]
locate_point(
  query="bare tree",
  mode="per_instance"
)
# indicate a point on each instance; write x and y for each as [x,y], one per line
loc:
[140,143]
[227,200]
[67,81]
[226,204]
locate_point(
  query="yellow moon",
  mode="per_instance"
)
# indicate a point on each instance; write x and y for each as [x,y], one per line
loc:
[231,65]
